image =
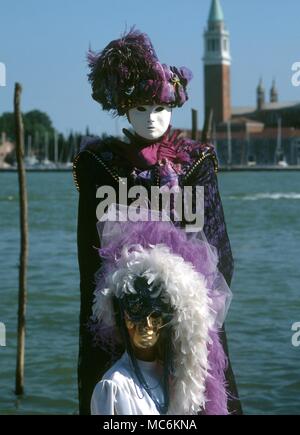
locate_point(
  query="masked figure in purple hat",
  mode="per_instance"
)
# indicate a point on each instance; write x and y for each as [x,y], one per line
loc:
[127,79]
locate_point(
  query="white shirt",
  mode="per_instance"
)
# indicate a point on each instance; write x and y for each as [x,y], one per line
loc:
[119,392]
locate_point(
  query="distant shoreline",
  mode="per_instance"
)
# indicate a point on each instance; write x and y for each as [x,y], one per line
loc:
[37,170]
[233,168]
[268,168]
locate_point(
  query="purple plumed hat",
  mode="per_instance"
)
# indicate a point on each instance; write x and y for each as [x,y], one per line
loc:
[128,73]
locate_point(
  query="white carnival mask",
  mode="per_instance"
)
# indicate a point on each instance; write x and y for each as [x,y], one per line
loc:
[150,122]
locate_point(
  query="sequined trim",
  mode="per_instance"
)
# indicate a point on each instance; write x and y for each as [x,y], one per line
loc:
[205,154]
[111,171]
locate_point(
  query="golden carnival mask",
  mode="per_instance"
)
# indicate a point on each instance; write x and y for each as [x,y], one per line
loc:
[145,333]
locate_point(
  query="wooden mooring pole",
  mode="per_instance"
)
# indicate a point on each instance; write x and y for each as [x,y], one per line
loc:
[194,124]
[207,129]
[24,241]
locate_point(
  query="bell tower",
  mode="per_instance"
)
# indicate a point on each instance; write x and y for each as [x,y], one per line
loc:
[260,96]
[274,93]
[217,62]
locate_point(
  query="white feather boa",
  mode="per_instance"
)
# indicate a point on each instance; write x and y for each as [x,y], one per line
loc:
[194,316]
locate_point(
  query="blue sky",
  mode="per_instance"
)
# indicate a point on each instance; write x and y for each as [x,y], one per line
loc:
[43,44]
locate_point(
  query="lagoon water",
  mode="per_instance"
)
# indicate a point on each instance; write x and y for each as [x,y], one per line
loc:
[262,212]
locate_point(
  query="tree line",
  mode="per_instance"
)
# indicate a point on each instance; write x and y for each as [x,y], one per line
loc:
[40,136]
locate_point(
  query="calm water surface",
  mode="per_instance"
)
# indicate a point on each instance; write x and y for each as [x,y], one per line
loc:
[262,212]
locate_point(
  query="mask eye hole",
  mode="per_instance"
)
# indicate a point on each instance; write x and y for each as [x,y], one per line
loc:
[159,109]
[155,315]
[157,322]
[141,109]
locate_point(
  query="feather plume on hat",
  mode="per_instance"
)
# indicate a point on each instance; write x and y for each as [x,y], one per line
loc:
[128,73]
